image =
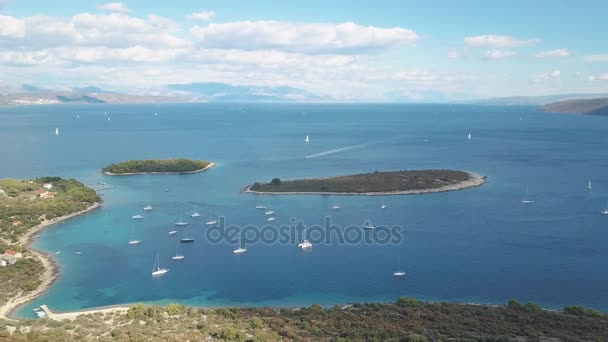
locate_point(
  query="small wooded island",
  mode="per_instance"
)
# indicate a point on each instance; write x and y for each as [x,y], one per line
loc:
[375,183]
[157,166]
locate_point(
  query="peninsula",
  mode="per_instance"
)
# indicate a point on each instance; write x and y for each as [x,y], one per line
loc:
[597,106]
[405,182]
[26,208]
[157,166]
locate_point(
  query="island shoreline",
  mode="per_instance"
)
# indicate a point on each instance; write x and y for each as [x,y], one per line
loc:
[159,173]
[51,268]
[475,181]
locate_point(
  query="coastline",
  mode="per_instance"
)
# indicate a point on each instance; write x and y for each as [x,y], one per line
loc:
[475,181]
[51,269]
[159,173]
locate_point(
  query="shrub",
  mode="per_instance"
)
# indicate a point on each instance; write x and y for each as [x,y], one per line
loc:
[582,311]
[406,301]
[275,182]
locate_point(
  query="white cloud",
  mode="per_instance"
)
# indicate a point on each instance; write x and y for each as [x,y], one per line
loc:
[550,75]
[498,54]
[597,58]
[114,7]
[11,27]
[302,37]
[553,53]
[601,77]
[453,54]
[202,16]
[496,41]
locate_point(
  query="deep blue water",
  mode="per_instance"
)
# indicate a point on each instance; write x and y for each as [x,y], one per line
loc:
[476,245]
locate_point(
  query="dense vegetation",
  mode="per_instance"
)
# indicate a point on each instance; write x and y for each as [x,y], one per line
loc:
[406,320]
[370,182]
[21,277]
[156,165]
[21,208]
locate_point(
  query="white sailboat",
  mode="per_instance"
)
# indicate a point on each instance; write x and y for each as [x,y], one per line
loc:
[148,207]
[469,136]
[382,205]
[336,207]
[525,200]
[398,273]
[269,212]
[133,240]
[137,216]
[56,131]
[186,239]
[589,185]
[241,248]
[157,270]
[181,223]
[260,206]
[307,140]
[177,255]
[211,220]
[305,245]
[368,225]
[196,214]
[605,211]
[172,232]
[271,218]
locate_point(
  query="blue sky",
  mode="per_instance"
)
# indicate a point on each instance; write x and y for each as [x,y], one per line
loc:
[346,50]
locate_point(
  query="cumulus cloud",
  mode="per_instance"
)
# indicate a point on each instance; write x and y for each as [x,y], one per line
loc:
[496,41]
[601,77]
[114,7]
[553,53]
[550,75]
[593,58]
[302,37]
[202,16]
[498,54]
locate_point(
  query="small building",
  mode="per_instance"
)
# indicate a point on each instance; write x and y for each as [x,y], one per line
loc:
[2,263]
[14,254]
[10,257]
[48,186]
[45,194]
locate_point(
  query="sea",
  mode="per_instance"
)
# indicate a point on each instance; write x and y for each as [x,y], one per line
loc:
[477,245]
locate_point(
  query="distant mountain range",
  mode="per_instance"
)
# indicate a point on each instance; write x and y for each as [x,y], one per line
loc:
[580,106]
[29,94]
[212,91]
[534,100]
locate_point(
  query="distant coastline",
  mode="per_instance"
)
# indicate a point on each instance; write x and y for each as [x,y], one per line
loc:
[473,180]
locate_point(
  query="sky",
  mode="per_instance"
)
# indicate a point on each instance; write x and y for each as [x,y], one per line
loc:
[381,50]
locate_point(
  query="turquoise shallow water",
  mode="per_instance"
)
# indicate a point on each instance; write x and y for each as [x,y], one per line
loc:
[475,245]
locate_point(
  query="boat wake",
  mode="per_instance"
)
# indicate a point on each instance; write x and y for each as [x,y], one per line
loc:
[335,151]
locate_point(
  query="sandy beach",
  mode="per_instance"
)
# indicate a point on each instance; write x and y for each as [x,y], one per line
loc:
[159,173]
[72,315]
[51,270]
[474,181]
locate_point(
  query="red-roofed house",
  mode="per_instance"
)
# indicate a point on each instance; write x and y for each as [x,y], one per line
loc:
[10,256]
